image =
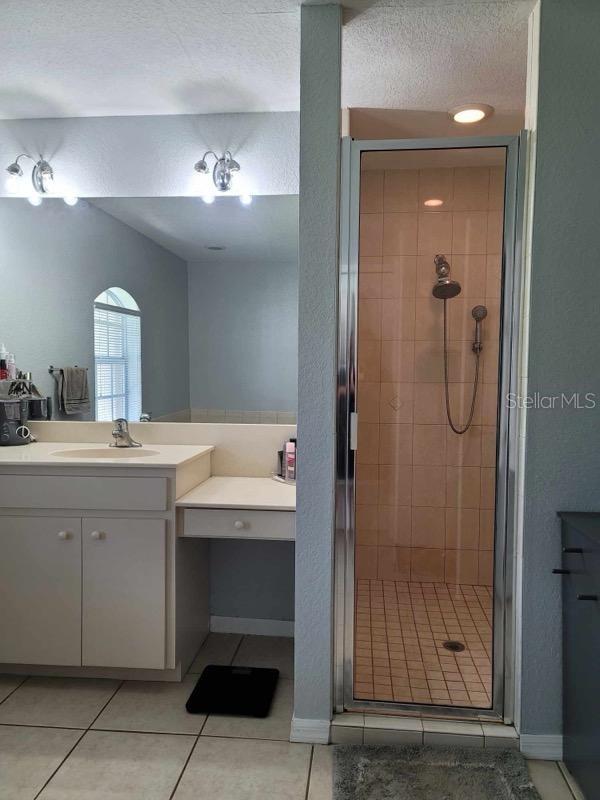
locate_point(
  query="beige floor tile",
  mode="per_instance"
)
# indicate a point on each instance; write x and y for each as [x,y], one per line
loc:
[29,756]
[267,651]
[218,648]
[275,726]
[152,706]
[321,774]
[121,766]
[548,780]
[57,702]
[224,769]
[8,683]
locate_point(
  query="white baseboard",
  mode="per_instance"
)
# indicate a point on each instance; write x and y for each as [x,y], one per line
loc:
[256,627]
[542,746]
[311,731]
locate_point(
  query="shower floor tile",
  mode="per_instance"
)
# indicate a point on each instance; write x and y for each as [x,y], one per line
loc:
[400,629]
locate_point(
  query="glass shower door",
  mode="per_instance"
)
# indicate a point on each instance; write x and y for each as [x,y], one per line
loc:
[426,287]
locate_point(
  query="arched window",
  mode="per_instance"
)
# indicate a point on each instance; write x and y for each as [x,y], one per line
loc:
[117,356]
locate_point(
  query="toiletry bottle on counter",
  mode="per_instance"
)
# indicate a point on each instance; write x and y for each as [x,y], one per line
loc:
[3,363]
[11,367]
[290,460]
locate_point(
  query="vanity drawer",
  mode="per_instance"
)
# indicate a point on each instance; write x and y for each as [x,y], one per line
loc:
[231,523]
[83,492]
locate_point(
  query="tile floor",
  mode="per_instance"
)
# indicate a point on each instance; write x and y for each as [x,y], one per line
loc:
[72,739]
[399,635]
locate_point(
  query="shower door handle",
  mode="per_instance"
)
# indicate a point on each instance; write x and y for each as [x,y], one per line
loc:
[353,430]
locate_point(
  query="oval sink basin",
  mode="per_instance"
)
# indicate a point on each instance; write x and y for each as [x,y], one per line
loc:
[107,452]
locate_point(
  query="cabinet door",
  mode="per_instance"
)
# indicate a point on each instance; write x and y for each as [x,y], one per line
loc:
[581,654]
[40,590]
[124,564]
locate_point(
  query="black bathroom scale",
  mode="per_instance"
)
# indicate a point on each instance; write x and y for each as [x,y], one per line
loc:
[242,691]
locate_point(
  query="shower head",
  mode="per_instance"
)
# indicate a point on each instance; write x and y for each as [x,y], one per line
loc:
[479,313]
[445,288]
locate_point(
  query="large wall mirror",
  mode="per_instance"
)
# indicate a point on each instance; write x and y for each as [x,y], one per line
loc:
[178,309]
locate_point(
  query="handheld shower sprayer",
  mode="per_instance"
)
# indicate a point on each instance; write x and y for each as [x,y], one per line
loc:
[479,313]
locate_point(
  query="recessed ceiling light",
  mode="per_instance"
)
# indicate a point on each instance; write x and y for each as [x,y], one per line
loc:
[208,198]
[71,200]
[433,202]
[471,112]
[35,199]
[245,199]
[215,247]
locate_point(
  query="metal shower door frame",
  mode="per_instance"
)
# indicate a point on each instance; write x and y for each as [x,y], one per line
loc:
[503,689]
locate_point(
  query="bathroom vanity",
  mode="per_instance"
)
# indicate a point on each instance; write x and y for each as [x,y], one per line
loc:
[89,554]
[104,553]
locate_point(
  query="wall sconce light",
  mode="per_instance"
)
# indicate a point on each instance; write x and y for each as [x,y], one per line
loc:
[222,170]
[41,176]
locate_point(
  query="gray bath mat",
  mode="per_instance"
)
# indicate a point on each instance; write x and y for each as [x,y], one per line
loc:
[410,772]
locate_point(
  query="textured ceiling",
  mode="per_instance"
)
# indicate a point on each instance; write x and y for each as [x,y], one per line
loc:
[130,57]
[433,56]
[267,230]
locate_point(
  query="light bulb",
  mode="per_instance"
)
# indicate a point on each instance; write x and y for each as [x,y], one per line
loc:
[71,200]
[12,184]
[473,112]
[469,115]
[35,199]
[433,202]
[245,199]
[208,198]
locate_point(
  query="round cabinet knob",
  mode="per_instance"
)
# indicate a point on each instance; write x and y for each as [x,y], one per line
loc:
[239,525]
[96,535]
[64,535]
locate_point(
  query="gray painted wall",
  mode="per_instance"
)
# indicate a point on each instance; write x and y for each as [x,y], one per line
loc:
[252,579]
[54,260]
[562,468]
[320,53]
[244,316]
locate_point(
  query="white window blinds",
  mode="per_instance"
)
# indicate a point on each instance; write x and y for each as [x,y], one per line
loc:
[118,362]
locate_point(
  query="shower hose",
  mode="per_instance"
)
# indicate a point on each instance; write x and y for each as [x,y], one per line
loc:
[456,428]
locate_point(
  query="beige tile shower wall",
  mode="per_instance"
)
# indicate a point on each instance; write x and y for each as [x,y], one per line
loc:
[425,495]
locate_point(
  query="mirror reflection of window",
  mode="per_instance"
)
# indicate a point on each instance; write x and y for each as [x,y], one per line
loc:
[117,356]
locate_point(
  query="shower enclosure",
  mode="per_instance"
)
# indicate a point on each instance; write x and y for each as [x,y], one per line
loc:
[426,352]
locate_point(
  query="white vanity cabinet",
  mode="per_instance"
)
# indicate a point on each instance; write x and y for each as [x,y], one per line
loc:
[93,578]
[83,591]
[123,593]
[40,590]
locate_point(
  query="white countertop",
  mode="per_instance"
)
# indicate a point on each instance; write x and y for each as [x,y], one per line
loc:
[46,454]
[262,494]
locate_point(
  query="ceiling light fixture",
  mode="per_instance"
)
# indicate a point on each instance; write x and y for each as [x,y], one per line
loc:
[433,202]
[222,170]
[71,200]
[35,199]
[208,199]
[245,199]
[471,112]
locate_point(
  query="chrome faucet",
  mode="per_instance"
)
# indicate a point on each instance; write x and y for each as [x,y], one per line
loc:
[121,435]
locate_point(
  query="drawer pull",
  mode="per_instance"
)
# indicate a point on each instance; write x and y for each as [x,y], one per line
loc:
[96,535]
[587,597]
[64,535]
[561,571]
[239,525]
[572,550]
